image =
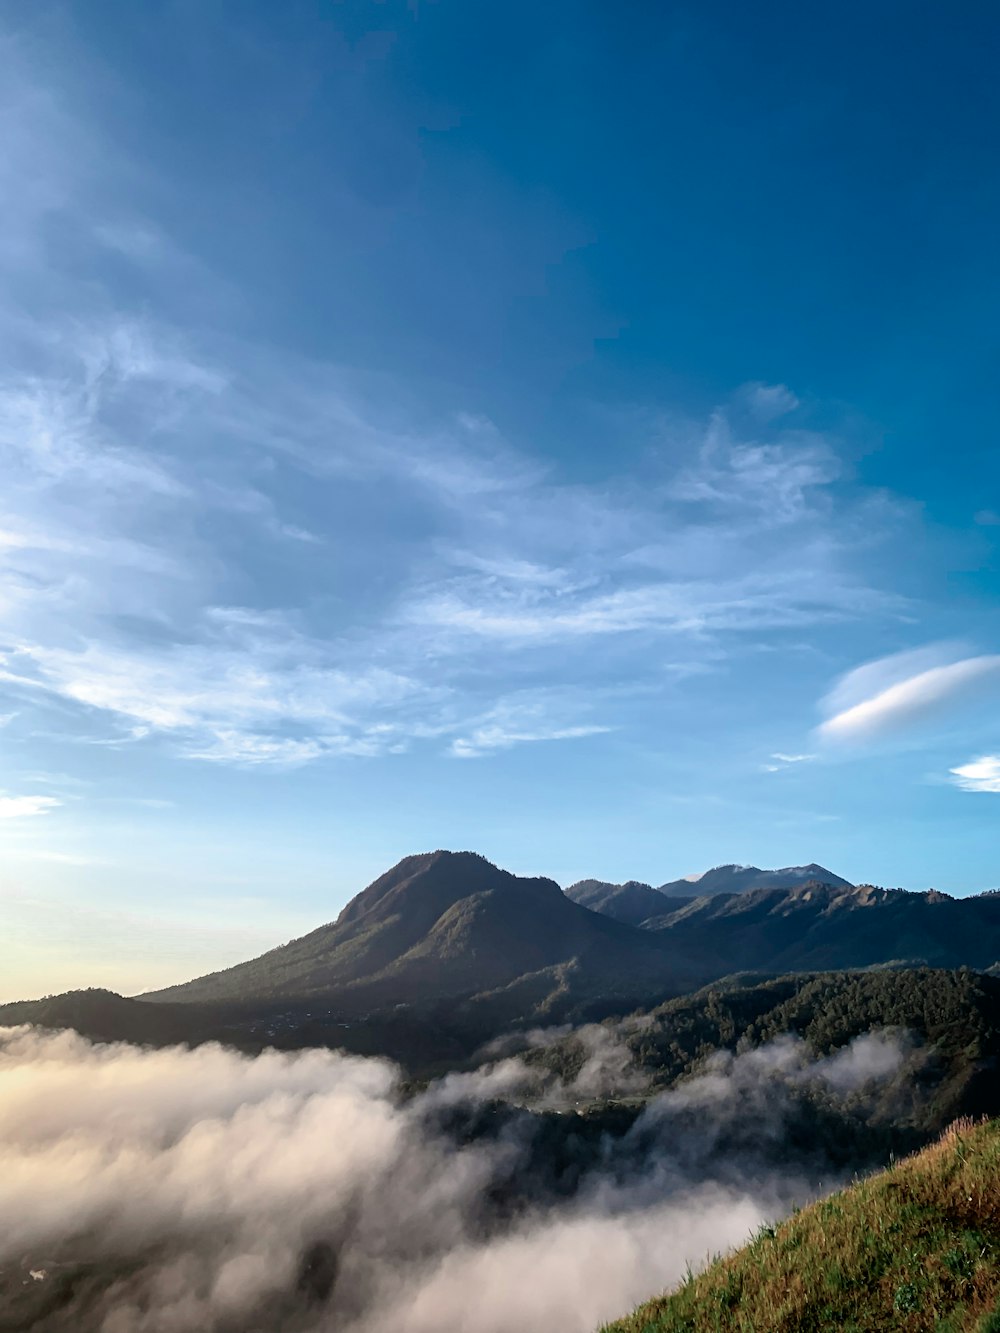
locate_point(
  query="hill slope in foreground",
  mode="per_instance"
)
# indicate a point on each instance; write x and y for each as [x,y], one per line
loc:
[915,1247]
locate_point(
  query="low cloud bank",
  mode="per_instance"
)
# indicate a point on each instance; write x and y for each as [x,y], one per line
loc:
[203,1190]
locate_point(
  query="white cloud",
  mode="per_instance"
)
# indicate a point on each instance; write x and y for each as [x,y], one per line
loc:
[233,747]
[525,718]
[752,603]
[25,807]
[899,695]
[486,739]
[782,761]
[150,475]
[981,774]
[782,479]
[232,695]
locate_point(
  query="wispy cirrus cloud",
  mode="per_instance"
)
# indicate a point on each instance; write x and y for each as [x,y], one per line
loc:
[782,480]
[484,740]
[897,691]
[117,555]
[768,401]
[251,692]
[780,761]
[391,578]
[524,721]
[517,560]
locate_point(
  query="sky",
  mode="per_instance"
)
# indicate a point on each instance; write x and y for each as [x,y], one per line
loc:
[566,432]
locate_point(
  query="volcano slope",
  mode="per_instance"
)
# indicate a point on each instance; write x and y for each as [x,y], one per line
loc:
[450,926]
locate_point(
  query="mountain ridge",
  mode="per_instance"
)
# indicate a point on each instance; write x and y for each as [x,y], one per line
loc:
[635,901]
[733,878]
[450,924]
[445,950]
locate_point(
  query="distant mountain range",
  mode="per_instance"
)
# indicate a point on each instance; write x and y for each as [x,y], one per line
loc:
[445,950]
[635,902]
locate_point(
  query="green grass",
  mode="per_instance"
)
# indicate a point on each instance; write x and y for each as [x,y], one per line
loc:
[916,1247]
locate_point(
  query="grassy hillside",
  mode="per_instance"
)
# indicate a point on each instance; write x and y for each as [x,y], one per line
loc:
[916,1247]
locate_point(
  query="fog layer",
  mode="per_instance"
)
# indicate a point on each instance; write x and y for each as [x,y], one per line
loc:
[203,1190]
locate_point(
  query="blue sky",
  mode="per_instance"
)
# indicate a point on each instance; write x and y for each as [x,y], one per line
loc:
[562,431]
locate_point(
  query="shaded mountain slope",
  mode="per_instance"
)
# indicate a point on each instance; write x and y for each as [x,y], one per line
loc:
[102,1015]
[818,927]
[452,924]
[631,902]
[636,902]
[915,1247]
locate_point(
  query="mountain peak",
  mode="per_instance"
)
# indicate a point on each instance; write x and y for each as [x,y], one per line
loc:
[442,875]
[735,878]
[451,924]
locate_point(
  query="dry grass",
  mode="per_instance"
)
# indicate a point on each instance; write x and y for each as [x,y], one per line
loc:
[916,1247]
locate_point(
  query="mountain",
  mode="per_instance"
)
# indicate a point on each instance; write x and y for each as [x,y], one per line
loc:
[822,927]
[450,925]
[446,951]
[103,1016]
[635,902]
[808,926]
[742,879]
[632,902]
[914,1247]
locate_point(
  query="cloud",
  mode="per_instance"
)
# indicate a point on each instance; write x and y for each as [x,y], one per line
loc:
[26,807]
[981,774]
[783,761]
[496,737]
[210,1190]
[752,603]
[767,401]
[232,694]
[782,480]
[890,694]
[397,573]
[526,718]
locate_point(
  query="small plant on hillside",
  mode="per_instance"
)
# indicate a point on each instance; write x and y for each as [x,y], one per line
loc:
[907,1298]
